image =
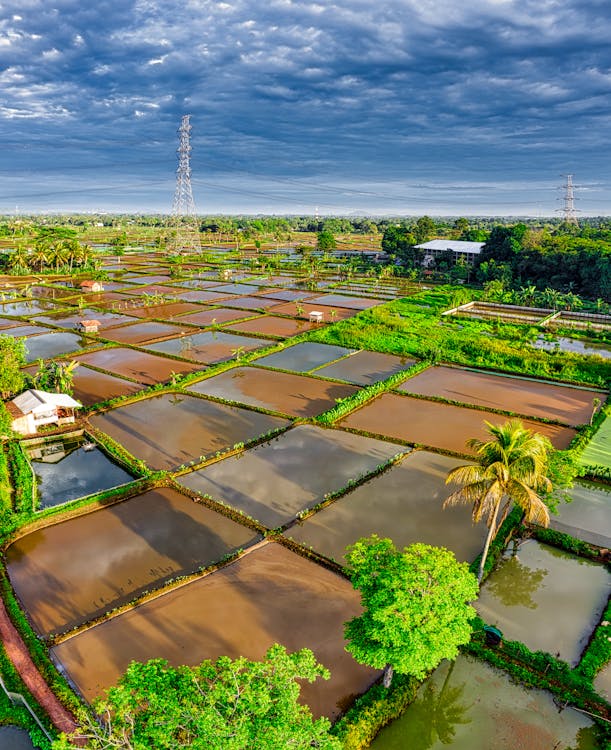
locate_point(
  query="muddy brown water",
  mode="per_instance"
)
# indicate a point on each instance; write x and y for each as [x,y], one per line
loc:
[143,367]
[283,392]
[469,705]
[90,386]
[69,318]
[24,330]
[573,406]
[203,295]
[576,346]
[269,596]
[163,312]
[139,333]
[437,425]
[602,681]
[172,429]
[93,563]
[304,357]
[243,289]
[546,598]
[209,347]
[588,515]
[405,503]
[250,303]
[304,308]
[209,316]
[27,307]
[276,480]
[48,345]
[365,368]
[288,295]
[272,326]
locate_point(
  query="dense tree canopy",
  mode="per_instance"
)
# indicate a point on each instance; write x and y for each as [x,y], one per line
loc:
[222,705]
[13,357]
[415,604]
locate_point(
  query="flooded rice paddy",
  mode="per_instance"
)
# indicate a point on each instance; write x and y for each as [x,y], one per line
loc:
[48,345]
[270,325]
[437,425]
[209,347]
[365,368]
[70,467]
[269,596]
[90,386]
[303,309]
[304,357]
[276,480]
[572,406]
[546,598]
[342,300]
[588,516]
[405,503]
[250,303]
[468,705]
[98,561]
[139,333]
[602,682]
[143,367]
[210,316]
[173,429]
[284,392]
[13,738]
[69,318]
[577,346]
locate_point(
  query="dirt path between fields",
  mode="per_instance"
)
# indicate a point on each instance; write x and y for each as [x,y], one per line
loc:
[18,653]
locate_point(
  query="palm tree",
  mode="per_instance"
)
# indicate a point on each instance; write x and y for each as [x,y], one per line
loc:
[511,468]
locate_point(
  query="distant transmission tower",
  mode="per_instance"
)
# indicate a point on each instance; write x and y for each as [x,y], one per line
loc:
[185,225]
[568,209]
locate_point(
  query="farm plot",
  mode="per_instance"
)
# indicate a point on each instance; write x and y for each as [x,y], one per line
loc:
[98,561]
[404,503]
[173,429]
[365,368]
[276,480]
[572,406]
[305,356]
[143,367]
[437,425]
[269,596]
[209,347]
[283,392]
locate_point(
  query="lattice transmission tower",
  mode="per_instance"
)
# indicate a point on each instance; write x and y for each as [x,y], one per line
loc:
[568,199]
[185,224]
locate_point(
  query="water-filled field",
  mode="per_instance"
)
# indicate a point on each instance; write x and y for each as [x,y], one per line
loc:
[468,705]
[572,406]
[436,424]
[546,598]
[405,503]
[284,392]
[269,596]
[304,357]
[98,561]
[276,480]
[172,429]
[208,347]
[143,367]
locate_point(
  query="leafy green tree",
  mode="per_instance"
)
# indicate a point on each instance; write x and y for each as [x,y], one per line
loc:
[56,376]
[415,604]
[424,229]
[325,240]
[13,357]
[511,468]
[222,705]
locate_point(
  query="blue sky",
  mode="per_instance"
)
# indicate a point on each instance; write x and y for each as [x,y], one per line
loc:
[354,106]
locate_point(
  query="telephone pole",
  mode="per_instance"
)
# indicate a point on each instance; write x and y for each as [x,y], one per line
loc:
[184,224]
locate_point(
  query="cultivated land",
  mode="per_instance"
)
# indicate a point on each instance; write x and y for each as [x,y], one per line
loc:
[261,444]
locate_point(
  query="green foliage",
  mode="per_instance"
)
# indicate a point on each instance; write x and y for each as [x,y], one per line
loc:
[56,376]
[24,485]
[598,652]
[414,326]
[325,241]
[415,603]
[373,710]
[222,705]
[13,356]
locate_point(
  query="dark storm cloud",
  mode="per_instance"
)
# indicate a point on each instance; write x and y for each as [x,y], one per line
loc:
[416,96]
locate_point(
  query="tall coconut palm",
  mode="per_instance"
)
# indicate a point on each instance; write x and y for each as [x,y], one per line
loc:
[511,468]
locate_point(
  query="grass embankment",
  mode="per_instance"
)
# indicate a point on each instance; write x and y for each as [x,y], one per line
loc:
[415,326]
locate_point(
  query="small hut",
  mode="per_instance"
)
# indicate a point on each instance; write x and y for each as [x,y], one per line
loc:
[91,286]
[88,326]
[32,409]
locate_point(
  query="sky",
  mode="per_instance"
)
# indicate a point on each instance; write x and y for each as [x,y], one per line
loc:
[352,107]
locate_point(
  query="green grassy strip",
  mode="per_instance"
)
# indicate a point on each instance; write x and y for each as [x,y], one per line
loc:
[123,457]
[18,715]
[24,484]
[540,670]
[561,540]
[415,326]
[5,482]
[598,651]
[346,405]
[373,710]
[36,647]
